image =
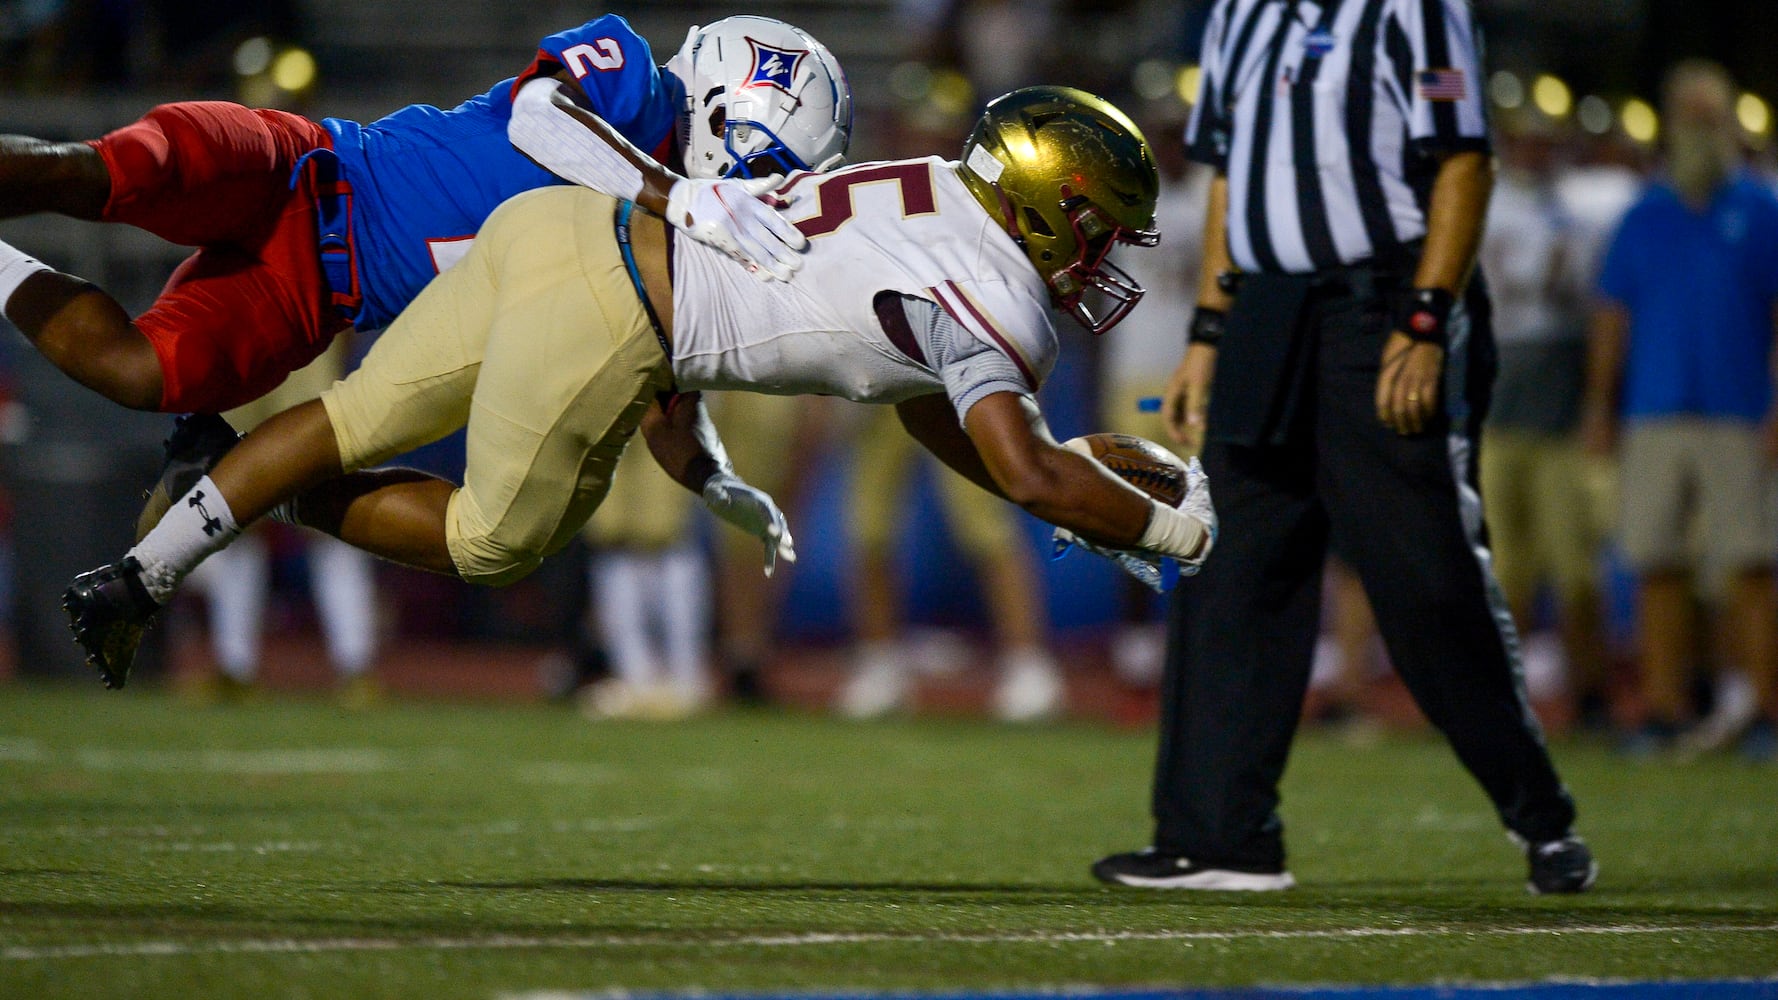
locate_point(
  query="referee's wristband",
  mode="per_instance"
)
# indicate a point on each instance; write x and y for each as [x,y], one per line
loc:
[1207,326]
[1424,314]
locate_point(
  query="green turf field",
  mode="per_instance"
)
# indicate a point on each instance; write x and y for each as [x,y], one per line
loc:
[289,849]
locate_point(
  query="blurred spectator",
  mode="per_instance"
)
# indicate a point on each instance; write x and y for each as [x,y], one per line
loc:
[998,45]
[1682,360]
[1534,477]
[237,580]
[1029,687]
[653,606]
[769,440]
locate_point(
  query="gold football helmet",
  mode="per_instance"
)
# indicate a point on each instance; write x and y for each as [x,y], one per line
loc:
[1069,176]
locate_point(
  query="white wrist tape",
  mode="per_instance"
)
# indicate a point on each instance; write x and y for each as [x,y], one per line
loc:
[15,267]
[679,203]
[1172,532]
[546,133]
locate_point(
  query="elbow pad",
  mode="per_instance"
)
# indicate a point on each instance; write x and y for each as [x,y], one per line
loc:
[567,148]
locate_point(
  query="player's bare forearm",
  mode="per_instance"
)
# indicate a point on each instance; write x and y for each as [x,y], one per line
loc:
[933,422]
[1067,489]
[1454,221]
[679,444]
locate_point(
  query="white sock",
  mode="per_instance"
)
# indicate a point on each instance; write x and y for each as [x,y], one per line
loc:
[15,267]
[199,524]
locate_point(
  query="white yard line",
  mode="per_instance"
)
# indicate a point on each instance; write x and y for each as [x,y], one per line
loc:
[506,942]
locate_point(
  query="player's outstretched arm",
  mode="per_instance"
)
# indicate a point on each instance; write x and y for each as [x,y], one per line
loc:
[1013,445]
[685,444]
[552,125]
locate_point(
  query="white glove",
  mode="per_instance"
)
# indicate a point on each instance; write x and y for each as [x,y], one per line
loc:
[1155,572]
[728,215]
[753,511]
[1197,504]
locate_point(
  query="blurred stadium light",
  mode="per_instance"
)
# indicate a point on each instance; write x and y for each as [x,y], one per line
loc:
[1641,123]
[1189,79]
[1594,114]
[1506,90]
[1552,96]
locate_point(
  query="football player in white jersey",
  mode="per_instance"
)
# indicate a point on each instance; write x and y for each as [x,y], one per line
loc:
[572,323]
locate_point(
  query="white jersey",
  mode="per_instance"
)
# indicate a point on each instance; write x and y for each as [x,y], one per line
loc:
[904,226]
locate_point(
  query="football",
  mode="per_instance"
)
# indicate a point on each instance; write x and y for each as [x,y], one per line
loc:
[1138,461]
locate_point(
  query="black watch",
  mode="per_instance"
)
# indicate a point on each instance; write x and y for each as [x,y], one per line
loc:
[1424,314]
[1207,326]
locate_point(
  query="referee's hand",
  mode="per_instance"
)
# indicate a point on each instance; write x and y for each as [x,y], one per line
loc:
[1408,384]
[1188,398]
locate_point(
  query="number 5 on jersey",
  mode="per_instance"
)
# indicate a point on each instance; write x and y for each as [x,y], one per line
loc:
[834,193]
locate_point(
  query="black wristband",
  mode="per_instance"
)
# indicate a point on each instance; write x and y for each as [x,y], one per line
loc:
[1207,325]
[1424,314]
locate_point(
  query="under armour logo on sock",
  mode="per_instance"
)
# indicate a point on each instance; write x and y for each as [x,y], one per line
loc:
[212,525]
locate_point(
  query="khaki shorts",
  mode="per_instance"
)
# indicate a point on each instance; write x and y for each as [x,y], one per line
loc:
[1537,494]
[537,341]
[883,464]
[1674,468]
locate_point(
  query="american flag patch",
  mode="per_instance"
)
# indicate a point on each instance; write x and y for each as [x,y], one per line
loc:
[1440,84]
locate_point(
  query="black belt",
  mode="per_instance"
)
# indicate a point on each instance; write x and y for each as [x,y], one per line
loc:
[1378,275]
[624,210]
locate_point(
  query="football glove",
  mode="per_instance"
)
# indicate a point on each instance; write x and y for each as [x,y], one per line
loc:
[754,512]
[729,215]
[1153,570]
[1157,573]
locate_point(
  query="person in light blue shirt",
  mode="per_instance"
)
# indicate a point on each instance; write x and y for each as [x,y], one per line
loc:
[1681,387]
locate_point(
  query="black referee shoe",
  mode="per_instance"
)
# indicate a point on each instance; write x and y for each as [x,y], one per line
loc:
[198,442]
[1564,865]
[108,609]
[1152,869]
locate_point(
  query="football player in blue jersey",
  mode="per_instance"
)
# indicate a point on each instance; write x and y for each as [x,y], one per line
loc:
[306,228]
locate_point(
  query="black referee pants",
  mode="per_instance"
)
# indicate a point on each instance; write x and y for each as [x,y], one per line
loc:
[1404,512]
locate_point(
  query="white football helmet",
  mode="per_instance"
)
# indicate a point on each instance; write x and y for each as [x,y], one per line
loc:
[761,97]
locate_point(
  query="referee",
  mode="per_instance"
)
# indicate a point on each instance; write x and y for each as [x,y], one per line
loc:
[1336,379]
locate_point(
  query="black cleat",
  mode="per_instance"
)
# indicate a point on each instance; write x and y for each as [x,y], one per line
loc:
[108,609]
[198,442]
[1564,865]
[1153,869]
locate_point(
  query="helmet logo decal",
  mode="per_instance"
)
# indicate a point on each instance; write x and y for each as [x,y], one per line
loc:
[774,67]
[985,164]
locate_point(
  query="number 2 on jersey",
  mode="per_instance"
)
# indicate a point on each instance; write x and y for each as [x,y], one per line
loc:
[834,193]
[602,54]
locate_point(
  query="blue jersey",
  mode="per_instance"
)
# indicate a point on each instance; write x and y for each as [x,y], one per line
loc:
[423,180]
[1700,288]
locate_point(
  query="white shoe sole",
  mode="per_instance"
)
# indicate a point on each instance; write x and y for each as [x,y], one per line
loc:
[1214,880]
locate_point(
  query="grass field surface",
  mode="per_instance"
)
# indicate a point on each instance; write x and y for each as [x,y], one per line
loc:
[289,849]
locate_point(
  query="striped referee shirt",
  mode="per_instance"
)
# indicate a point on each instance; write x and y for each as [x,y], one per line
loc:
[1326,119]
